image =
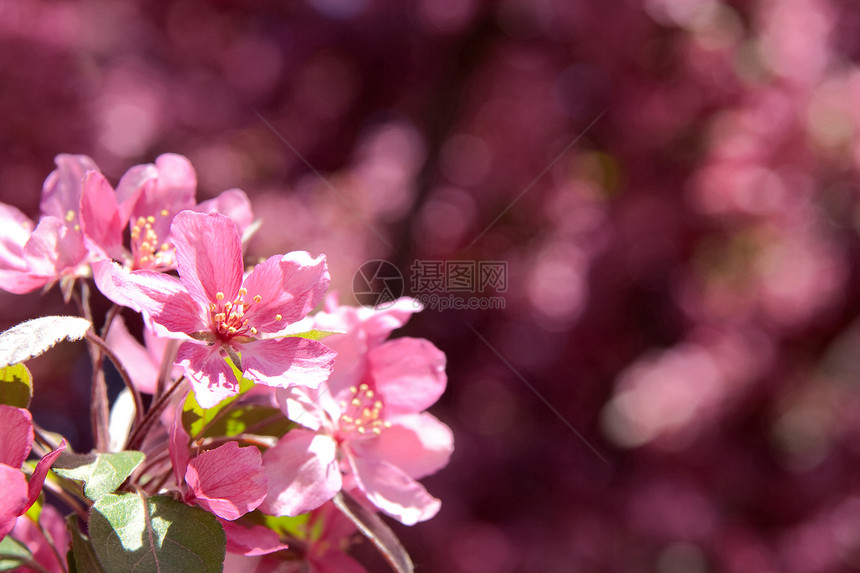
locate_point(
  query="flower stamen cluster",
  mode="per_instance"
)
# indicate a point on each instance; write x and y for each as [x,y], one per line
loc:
[362,415]
[147,249]
[228,318]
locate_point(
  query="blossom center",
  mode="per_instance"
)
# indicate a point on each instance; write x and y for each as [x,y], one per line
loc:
[147,250]
[361,415]
[228,318]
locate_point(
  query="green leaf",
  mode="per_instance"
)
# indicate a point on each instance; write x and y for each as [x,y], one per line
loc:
[195,418]
[13,554]
[288,526]
[315,334]
[16,386]
[101,473]
[33,337]
[130,532]
[251,419]
[372,527]
[82,557]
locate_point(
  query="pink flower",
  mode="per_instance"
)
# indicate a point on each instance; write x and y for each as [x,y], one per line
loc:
[222,315]
[15,443]
[227,481]
[150,196]
[74,202]
[365,422]
[82,220]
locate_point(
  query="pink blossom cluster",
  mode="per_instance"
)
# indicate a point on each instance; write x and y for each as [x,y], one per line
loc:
[351,402]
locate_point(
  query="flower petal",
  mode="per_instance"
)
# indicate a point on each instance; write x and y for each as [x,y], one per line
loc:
[15,231]
[409,373]
[53,247]
[254,540]
[302,471]
[13,502]
[228,480]
[168,186]
[378,324]
[135,184]
[289,286]
[61,192]
[44,539]
[418,444]
[350,365]
[233,203]
[101,221]
[302,405]
[208,255]
[392,491]
[177,180]
[34,487]
[20,282]
[283,362]
[211,377]
[162,296]
[17,437]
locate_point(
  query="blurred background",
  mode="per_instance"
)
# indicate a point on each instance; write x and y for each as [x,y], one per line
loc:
[672,384]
